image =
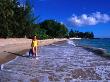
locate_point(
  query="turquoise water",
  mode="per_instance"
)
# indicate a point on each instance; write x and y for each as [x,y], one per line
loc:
[98,43]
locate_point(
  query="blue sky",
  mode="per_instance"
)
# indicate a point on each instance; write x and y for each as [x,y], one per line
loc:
[82,15]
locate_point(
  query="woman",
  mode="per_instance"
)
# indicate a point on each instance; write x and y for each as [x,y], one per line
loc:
[34,46]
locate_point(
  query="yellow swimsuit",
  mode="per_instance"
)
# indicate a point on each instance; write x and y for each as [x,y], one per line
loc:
[34,43]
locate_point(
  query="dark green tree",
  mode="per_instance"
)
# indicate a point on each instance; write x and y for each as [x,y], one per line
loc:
[71,33]
[6,17]
[89,35]
[78,34]
[16,20]
[54,29]
[39,32]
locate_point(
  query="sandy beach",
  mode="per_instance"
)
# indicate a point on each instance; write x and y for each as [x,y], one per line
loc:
[10,47]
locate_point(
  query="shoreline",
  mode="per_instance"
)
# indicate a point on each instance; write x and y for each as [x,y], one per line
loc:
[98,51]
[74,65]
[10,49]
[19,49]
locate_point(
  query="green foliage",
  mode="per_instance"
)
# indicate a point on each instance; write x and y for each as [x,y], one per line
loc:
[88,35]
[41,33]
[71,33]
[81,34]
[19,21]
[16,20]
[6,14]
[54,29]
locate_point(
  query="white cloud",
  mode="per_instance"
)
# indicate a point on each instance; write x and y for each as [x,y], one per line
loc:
[92,19]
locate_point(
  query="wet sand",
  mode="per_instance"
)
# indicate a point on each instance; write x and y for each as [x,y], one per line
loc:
[58,63]
[10,48]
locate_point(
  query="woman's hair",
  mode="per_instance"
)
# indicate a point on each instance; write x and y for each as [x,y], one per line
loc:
[33,36]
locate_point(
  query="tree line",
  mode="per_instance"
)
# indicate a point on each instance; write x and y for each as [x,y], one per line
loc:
[18,21]
[81,34]
[15,19]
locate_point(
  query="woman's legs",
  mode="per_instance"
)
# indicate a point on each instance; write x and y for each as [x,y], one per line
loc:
[35,48]
[33,51]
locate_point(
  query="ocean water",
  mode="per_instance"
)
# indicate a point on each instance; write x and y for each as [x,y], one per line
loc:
[98,43]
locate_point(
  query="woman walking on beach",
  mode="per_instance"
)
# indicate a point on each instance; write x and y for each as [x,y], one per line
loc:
[34,45]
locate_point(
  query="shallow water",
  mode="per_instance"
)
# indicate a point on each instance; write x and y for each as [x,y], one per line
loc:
[58,63]
[98,43]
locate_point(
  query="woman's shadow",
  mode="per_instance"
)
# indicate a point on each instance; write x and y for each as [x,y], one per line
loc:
[26,55]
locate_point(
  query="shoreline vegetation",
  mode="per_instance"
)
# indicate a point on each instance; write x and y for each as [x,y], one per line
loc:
[19,22]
